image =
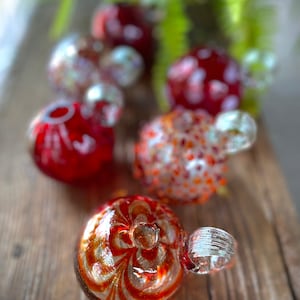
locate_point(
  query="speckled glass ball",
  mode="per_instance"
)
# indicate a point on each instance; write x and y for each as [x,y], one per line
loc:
[124,65]
[180,156]
[74,64]
[107,102]
[206,79]
[66,144]
[124,24]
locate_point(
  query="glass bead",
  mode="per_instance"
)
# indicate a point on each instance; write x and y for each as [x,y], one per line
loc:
[124,65]
[239,128]
[260,68]
[66,144]
[206,79]
[138,244]
[74,64]
[180,156]
[107,102]
[124,24]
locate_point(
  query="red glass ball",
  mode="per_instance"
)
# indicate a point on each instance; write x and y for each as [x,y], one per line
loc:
[74,64]
[67,143]
[206,79]
[131,248]
[124,24]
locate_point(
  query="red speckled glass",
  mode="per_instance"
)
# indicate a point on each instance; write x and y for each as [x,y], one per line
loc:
[206,79]
[135,248]
[181,156]
[67,143]
[123,24]
[74,64]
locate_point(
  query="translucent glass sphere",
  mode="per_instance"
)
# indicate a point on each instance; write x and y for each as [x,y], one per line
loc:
[125,65]
[107,102]
[239,128]
[260,68]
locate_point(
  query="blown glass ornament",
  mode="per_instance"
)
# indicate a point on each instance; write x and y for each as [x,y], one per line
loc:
[67,144]
[260,68]
[74,64]
[135,248]
[106,101]
[124,24]
[181,156]
[206,79]
[123,65]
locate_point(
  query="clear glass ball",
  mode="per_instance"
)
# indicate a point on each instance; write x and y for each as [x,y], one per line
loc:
[106,101]
[124,65]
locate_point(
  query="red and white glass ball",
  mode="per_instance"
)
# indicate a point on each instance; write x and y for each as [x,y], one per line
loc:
[135,248]
[124,25]
[67,144]
[205,78]
[181,156]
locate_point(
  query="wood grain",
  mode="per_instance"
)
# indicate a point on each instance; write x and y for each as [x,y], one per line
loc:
[41,218]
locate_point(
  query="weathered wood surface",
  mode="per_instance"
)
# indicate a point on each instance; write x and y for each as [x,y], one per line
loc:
[40,218]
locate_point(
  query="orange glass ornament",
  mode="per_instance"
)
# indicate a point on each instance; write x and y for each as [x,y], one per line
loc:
[135,248]
[181,156]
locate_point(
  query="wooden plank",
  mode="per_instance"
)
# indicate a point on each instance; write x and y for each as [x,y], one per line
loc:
[40,218]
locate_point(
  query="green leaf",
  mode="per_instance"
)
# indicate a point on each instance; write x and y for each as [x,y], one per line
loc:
[251,103]
[249,24]
[173,42]
[62,18]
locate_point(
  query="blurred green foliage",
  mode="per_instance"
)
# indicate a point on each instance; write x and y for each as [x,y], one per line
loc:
[173,42]
[62,18]
[249,25]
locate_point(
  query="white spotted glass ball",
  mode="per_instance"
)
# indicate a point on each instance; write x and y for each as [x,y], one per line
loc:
[207,79]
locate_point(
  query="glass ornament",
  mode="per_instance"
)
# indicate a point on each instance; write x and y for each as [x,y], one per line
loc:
[107,102]
[181,156]
[67,144]
[206,79]
[123,65]
[124,24]
[74,64]
[259,67]
[240,129]
[135,248]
